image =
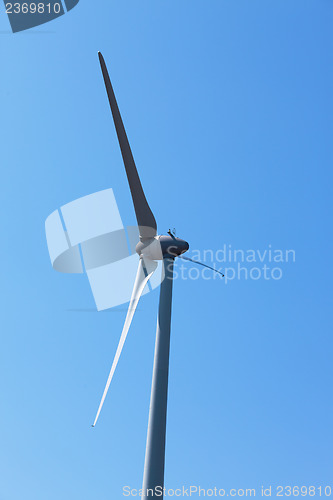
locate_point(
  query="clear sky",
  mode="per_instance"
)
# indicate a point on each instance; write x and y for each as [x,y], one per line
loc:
[228,107]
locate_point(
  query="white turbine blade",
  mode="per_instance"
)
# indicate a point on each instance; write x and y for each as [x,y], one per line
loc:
[145,271]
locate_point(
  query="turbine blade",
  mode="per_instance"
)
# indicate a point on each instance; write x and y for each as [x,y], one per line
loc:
[201,264]
[146,220]
[145,271]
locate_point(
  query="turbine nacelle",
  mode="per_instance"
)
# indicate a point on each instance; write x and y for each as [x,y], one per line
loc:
[162,246]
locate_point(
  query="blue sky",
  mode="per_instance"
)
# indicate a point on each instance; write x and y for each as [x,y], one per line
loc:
[228,107]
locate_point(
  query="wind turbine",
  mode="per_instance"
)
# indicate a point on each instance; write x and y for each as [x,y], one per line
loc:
[150,248]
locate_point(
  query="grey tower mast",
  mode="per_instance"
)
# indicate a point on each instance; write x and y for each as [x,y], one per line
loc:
[155,451]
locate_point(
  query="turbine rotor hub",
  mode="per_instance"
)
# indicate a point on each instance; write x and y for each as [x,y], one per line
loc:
[162,246]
